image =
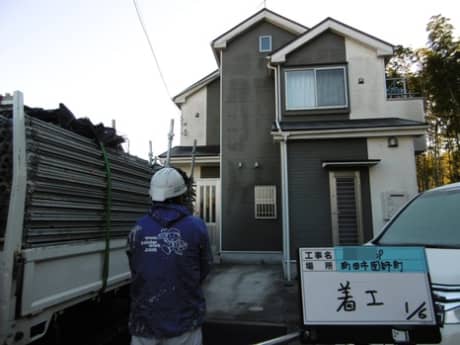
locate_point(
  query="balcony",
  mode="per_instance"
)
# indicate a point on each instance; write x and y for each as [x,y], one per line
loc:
[402,101]
[396,88]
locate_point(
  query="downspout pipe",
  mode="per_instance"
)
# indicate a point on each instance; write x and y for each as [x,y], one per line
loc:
[221,142]
[284,176]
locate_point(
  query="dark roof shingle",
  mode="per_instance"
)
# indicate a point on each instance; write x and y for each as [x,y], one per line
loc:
[186,151]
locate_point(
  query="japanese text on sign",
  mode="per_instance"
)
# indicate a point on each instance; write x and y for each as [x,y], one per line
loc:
[365,285]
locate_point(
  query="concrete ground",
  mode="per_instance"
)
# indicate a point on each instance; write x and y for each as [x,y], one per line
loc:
[251,294]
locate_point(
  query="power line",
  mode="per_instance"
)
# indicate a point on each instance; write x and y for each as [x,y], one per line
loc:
[263,2]
[139,16]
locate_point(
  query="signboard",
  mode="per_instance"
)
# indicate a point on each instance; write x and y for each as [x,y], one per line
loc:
[365,286]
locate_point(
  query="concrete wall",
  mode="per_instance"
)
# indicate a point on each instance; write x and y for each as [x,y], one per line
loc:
[309,194]
[193,127]
[248,111]
[394,174]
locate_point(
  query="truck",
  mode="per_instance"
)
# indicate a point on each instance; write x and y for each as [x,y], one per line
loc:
[67,204]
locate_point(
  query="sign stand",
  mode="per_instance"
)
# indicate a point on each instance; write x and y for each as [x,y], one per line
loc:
[366,294]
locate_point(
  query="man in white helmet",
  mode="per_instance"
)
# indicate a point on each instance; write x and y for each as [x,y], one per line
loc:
[169,257]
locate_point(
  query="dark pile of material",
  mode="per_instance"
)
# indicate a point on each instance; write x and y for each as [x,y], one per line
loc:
[64,118]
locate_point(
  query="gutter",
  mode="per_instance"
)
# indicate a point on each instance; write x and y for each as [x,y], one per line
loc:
[284,176]
[219,221]
[416,130]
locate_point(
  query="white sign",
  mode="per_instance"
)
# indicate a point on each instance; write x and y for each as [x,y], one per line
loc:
[365,286]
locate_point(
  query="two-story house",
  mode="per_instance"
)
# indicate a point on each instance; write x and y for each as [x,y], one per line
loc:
[298,142]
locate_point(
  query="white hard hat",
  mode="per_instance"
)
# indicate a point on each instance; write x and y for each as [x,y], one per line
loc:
[166,183]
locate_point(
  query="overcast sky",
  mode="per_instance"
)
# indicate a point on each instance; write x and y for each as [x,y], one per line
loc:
[92,55]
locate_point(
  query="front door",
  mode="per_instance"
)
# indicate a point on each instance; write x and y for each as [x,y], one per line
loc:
[208,208]
[346,210]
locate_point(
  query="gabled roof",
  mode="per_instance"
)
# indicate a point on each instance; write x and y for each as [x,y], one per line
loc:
[181,98]
[383,48]
[264,14]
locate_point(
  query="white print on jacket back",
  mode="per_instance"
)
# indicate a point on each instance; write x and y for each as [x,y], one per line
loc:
[169,240]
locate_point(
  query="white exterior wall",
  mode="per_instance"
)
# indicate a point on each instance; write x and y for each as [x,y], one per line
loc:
[193,127]
[411,109]
[368,100]
[395,173]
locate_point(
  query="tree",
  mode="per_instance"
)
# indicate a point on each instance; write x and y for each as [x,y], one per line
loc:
[434,73]
[440,79]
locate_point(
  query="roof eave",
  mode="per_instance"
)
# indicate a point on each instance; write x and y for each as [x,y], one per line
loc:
[181,97]
[198,160]
[415,130]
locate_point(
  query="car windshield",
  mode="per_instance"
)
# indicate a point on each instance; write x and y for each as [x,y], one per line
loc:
[431,220]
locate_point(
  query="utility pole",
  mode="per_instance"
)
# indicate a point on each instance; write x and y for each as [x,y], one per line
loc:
[193,160]
[170,139]
[150,153]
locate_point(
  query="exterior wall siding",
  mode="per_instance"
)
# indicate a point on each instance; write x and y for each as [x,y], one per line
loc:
[309,194]
[327,48]
[367,99]
[213,113]
[193,126]
[396,173]
[248,111]
[210,172]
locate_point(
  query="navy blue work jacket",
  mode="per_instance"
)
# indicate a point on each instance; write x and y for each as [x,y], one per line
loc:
[169,256]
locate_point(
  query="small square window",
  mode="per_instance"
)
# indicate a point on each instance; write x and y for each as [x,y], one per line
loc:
[265,202]
[265,44]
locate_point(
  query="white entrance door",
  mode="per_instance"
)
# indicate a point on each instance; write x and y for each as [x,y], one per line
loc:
[208,208]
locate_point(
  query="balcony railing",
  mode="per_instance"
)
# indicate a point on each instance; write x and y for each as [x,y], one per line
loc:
[397,89]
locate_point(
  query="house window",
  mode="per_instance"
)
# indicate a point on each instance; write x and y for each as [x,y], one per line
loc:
[316,88]
[265,202]
[265,44]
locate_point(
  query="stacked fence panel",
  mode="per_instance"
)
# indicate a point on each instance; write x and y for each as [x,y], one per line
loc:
[67,187]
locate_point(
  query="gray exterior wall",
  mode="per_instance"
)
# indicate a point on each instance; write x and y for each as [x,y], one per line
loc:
[213,113]
[309,194]
[248,111]
[210,172]
[326,49]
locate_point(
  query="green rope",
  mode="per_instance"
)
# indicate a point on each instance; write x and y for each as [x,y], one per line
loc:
[108,218]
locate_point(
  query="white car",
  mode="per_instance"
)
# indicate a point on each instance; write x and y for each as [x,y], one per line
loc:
[432,220]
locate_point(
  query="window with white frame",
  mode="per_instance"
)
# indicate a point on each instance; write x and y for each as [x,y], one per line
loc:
[316,88]
[265,43]
[265,202]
